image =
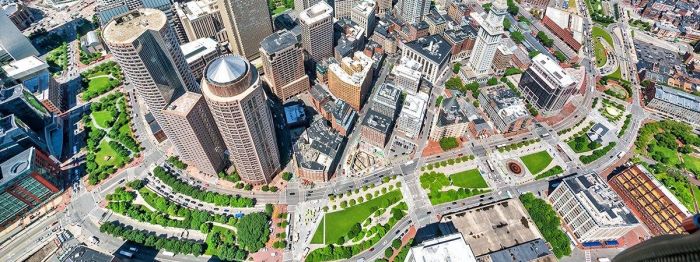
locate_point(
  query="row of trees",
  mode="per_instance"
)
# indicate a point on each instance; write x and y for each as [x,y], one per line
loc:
[547,222]
[148,239]
[598,153]
[207,196]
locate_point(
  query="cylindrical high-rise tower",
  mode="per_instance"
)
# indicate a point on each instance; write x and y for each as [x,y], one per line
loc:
[239,106]
[146,48]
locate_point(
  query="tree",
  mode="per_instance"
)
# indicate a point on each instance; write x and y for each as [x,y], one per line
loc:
[269,208]
[506,24]
[512,7]
[447,143]
[396,243]
[388,252]
[517,37]
[546,41]
[253,231]
[560,56]
[474,88]
[287,176]
[354,230]
[492,81]
[454,83]
[533,53]
[456,67]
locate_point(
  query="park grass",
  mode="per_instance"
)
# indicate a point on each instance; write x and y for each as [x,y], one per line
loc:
[536,162]
[600,32]
[599,51]
[105,150]
[102,118]
[126,129]
[468,179]
[670,154]
[692,164]
[598,48]
[616,75]
[226,236]
[340,222]
[98,83]
[279,10]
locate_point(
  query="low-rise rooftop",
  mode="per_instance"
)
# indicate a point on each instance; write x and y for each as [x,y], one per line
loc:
[432,47]
[377,121]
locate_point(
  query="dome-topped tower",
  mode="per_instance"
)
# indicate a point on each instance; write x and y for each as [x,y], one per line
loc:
[238,103]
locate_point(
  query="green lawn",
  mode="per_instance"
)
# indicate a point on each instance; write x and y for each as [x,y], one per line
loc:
[670,154]
[106,156]
[125,129]
[98,83]
[599,51]
[468,179]
[616,75]
[339,222]
[692,164]
[598,48]
[279,10]
[102,118]
[600,32]
[536,162]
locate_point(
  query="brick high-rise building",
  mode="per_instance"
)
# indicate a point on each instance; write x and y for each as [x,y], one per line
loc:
[147,50]
[283,62]
[246,23]
[236,99]
[317,31]
[198,140]
[350,79]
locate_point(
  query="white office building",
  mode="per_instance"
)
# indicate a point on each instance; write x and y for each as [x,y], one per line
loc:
[488,38]
[317,31]
[363,15]
[594,213]
[412,114]
[431,52]
[451,247]
[407,75]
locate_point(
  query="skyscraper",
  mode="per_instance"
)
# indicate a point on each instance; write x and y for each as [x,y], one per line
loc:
[488,38]
[198,140]
[13,44]
[108,9]
[546,85]
[238,104]
[317,31]
[283,62]
[363,14]
[145,47]
[247,23]
[412,11]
